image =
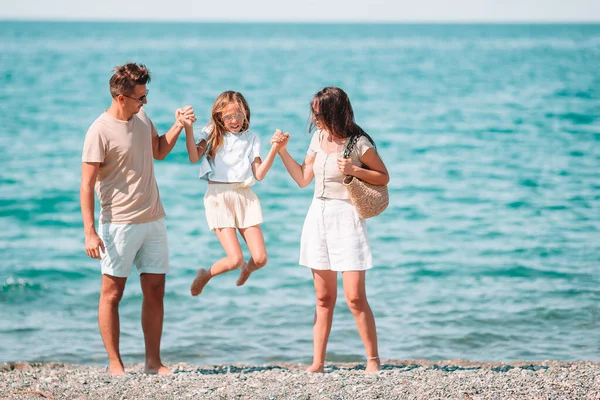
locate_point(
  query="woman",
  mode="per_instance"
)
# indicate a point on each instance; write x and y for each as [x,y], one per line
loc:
[334,238]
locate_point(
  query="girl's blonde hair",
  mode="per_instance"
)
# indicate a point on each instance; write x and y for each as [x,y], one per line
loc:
[215,139]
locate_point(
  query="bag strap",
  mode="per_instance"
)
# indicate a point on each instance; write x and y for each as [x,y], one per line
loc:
[350,145]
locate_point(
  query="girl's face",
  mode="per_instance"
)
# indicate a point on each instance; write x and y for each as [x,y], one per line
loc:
[316,116]
[233,118]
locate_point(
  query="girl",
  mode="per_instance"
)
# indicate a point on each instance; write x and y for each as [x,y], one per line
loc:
[231,164]
[334,238]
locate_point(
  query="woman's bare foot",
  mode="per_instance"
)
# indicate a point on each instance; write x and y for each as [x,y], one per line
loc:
[161,370]
[116,370]
[315,368]
[202,278]
[244,275]
[373,365]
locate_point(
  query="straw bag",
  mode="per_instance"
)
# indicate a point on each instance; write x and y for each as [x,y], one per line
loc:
[368,199]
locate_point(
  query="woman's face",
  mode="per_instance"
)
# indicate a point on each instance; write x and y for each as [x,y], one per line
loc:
[316,116]
[233,118]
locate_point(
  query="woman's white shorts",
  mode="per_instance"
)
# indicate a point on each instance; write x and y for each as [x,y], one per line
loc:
[334,237]
[231,205]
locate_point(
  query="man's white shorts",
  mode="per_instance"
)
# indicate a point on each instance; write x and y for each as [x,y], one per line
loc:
[144,245]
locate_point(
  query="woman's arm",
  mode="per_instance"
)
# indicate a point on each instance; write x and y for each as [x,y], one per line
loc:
[376,173]
[302,174]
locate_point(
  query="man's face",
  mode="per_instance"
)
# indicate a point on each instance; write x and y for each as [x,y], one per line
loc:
[133,102]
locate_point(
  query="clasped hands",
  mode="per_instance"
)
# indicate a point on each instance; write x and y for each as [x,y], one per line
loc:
[185,116]
[280,140]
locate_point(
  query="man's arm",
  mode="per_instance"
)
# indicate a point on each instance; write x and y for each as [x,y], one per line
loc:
[162,145]
[89,174]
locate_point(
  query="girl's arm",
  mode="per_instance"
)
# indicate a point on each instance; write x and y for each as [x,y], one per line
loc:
[195,151]
[376,174]
[260,168]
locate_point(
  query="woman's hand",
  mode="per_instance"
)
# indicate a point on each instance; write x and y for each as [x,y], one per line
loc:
[345,166]
[280,140]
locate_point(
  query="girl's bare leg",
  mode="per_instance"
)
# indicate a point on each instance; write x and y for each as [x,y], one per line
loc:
[233,260]
[258,253]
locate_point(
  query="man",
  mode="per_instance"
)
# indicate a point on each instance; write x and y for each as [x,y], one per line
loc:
[117,159]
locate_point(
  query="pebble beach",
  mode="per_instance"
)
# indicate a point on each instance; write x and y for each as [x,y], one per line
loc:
[414,379]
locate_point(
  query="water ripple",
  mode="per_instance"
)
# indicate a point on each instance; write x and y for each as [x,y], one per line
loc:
[488,250]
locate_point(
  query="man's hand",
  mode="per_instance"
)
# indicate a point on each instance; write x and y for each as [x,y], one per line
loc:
[93,244]
[185,116]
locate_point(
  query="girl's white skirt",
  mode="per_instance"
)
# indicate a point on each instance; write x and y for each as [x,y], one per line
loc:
[231,205]
[334,237]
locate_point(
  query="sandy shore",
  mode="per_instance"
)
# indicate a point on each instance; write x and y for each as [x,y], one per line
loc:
[456,379]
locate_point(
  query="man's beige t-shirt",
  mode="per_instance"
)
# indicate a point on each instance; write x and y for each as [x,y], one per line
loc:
[126,185]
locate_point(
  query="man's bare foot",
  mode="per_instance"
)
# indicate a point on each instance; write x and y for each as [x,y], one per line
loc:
[161,370]
[244,275]
[373,365]
[116,370]
[315,368]
[201,280]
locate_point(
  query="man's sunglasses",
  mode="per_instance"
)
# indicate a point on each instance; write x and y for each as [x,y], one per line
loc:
[139,100]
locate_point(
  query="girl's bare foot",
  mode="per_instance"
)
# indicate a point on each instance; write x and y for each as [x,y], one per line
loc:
[244,275]
[161,370]
[373,365]
[315,368]
[202,278]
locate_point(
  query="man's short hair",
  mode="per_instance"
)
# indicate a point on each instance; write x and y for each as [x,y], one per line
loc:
[126,77]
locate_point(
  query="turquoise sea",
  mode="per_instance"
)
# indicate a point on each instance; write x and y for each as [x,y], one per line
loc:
[490,249]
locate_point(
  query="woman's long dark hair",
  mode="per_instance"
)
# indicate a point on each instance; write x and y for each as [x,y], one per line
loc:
[336,114]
